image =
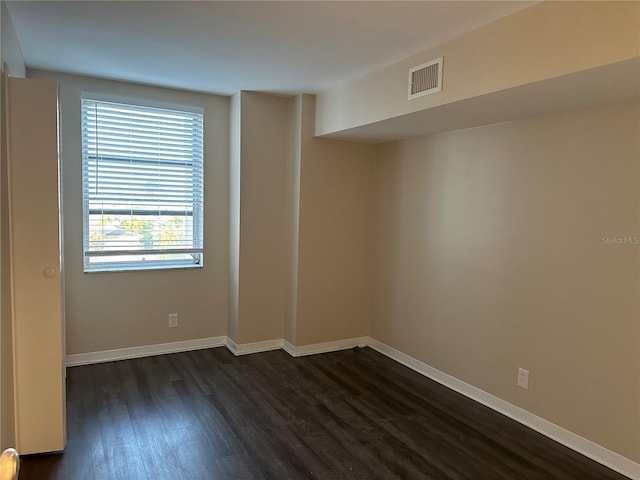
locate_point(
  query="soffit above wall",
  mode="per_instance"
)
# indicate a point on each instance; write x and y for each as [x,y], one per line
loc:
[611,83]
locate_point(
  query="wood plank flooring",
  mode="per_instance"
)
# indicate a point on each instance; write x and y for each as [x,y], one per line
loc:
[353,414]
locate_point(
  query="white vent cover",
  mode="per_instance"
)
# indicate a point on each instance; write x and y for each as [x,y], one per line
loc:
[425,78]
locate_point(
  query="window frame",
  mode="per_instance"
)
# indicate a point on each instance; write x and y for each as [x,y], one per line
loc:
[197,211]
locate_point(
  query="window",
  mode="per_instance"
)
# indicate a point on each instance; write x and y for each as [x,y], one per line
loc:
[142,176]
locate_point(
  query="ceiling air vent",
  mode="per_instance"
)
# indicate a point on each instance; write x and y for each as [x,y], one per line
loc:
[425,78]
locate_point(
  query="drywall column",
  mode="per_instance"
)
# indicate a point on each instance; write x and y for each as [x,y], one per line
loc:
[234,215]
[293,219]
[301,227]
[258,217]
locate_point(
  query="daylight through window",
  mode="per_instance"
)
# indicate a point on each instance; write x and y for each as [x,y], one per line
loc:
[142,179]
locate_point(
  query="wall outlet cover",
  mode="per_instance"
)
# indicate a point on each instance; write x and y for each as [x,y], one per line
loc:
[523,378]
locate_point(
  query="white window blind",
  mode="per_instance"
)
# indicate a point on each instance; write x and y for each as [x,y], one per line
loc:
[142,179]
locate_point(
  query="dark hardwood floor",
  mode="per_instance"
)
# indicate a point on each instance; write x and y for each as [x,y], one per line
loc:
[346,415]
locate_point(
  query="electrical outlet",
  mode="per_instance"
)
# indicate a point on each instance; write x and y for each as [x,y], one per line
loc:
[173,320]
[523,378]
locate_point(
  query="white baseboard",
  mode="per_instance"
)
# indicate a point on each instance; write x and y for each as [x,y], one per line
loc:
[324,347]
[255,347]
[143,351]
[561,435]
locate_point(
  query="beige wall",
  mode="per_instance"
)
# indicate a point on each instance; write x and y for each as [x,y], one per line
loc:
[490,257]
[11,54]
[335,261]
[547,40]
[110,310]
[262,218]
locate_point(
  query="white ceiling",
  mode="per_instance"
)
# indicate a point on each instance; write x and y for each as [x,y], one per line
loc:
[222,47]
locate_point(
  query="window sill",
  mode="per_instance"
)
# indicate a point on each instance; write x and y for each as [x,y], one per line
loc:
[139,268]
